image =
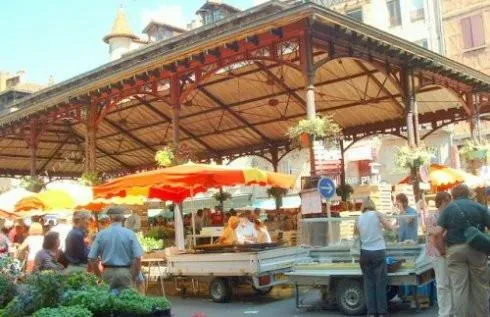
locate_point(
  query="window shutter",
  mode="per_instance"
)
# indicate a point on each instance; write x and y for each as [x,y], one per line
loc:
[477,30]
[466,28]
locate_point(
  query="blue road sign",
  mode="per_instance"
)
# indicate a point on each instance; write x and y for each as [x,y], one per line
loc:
[326,187]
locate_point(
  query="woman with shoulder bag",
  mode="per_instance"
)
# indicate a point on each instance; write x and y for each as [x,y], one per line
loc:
[436,249]
[369,227]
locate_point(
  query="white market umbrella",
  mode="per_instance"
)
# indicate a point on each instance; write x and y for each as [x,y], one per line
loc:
[11,197]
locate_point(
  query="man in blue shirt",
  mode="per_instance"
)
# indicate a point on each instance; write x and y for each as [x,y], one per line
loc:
[76,250]
[408,224]
[119,251]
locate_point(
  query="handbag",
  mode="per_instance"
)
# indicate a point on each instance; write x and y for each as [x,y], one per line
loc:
[474,237]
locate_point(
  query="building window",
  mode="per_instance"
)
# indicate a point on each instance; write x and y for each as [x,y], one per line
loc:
[417,10]
[394,12]
[423,43]
[355,14]
[473,33]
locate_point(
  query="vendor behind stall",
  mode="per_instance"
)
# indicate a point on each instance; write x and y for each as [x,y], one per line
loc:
[408,225]
[246,232]
[229,235]
[263,235]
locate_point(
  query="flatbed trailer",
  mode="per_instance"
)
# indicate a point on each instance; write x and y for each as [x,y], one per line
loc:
[339,276]
[263,269]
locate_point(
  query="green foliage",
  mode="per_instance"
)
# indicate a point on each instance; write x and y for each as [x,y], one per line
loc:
[25,303]
[130,301]
[475,150]
[344,191]
[91,179]
[222,196]
[80,280]
[165,157]
[96,299]
[277,192]
[7,290]
[150,244]
[408,158]
[319,127]
[48,287]
[161,233]
[33,184]
[10,267]
[72,311]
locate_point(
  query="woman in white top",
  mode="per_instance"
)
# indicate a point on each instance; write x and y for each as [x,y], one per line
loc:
[369,227]
[263,235]
[33,244]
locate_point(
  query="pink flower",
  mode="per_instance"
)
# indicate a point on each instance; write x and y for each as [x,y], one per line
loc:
[199,314]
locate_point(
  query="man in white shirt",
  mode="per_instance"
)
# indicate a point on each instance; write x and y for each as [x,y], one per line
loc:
[246,232]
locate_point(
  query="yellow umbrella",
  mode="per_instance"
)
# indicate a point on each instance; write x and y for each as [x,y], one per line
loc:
[98,205]
[56,199]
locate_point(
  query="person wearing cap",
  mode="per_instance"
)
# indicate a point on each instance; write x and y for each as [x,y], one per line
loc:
[119,251]
[369,227]
[76,250]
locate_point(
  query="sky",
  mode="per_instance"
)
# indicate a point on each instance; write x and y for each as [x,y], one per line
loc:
[63,38]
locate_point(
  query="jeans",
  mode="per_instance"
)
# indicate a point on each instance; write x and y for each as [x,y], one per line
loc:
[468,272]
[375,276]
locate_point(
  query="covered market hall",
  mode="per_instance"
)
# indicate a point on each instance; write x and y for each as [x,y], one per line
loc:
[233,88]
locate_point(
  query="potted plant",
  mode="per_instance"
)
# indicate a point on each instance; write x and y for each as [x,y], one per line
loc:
[221,197]
[345,191]
[412,159]
[91,179]
[166,156]
[474,150]
[318,128]
[278,193]
[33,184]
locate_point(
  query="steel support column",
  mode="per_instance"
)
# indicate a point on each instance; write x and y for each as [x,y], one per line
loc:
[309,73]
[474,116]
[91,139]
[408,96]
[275,159]
[342,164]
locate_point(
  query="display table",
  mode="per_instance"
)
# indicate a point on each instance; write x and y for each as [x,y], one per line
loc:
[158,267]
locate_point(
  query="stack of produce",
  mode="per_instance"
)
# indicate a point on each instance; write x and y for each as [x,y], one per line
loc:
[77,295]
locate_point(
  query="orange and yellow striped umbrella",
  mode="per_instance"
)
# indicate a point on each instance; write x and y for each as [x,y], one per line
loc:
[180,182]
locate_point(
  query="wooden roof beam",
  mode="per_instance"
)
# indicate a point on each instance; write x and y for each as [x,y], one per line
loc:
[381,86]
[55,152]
[224,107]
[282,84]
[169,120]
[112,157]
[130,135]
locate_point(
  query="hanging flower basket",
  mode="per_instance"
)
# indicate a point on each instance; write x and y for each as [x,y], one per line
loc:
[91,179]
[412,158]
[319,128]
[305,140]
[475,150]
[222,196]
[165,157]
[33,184]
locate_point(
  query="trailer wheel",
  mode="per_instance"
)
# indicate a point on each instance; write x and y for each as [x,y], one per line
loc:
[350,297]
[262,291]
[220,290]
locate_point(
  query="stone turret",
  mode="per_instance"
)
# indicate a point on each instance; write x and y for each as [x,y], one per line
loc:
[121,38]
